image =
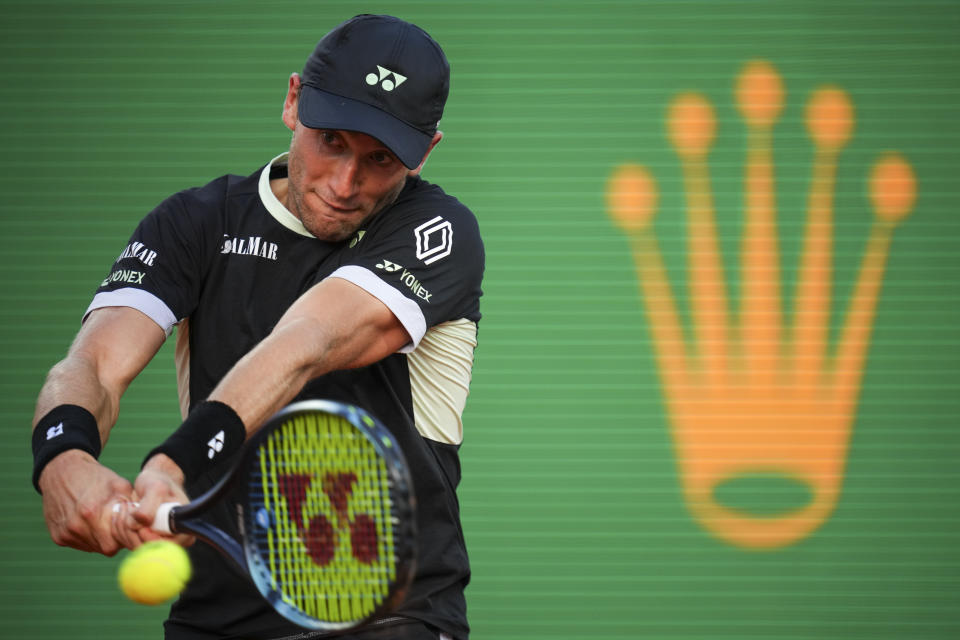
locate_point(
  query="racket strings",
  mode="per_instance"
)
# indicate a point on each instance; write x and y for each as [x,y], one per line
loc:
[324,528]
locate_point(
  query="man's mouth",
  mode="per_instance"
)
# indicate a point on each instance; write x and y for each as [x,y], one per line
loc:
[337,208]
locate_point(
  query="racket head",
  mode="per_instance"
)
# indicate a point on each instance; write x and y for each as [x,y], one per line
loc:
[327,516]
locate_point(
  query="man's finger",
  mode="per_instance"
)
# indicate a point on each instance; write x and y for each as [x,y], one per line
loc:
[125,530]
[145,512]
[67,539]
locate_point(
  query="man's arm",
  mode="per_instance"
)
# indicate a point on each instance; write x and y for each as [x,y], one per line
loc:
[335,325]
[112,347]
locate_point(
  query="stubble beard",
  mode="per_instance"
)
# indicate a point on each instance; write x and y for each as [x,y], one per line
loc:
[342,228]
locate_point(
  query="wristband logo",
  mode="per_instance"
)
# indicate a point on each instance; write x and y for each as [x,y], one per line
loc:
[757,396]
[53,432]
[216,444]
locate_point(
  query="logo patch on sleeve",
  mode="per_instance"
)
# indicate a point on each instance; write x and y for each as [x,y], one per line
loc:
[139,251]
[434,240]
[407,278]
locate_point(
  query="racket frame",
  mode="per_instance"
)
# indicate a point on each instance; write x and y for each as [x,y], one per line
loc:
[187,518]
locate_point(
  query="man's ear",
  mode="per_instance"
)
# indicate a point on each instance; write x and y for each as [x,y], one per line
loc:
[437,137]
[290,103]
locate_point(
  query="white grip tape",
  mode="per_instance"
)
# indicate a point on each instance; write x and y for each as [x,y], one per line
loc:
[161,522]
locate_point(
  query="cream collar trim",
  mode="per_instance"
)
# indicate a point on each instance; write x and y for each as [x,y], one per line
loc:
[276,209]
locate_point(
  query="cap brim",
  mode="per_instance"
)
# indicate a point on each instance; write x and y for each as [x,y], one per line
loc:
[319,109]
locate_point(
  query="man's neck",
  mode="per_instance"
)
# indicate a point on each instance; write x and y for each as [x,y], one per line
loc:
[279,186]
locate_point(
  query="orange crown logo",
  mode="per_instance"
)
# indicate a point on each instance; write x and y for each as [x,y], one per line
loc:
[756,396]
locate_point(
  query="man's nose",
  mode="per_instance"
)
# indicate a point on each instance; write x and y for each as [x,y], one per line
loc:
[344,178]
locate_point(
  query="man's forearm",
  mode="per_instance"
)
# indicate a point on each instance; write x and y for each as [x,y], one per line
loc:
[79,402]
[113,346]
[272,374]
[74,381]
[335,325]
[257,386]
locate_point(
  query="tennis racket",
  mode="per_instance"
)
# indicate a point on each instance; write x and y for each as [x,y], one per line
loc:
[325,514]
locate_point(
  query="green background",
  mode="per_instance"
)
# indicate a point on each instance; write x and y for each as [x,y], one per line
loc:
[571,496]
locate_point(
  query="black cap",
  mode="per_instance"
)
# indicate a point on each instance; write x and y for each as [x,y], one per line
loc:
[381,76]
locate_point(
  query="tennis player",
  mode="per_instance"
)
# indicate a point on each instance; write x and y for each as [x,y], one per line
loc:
[383,271]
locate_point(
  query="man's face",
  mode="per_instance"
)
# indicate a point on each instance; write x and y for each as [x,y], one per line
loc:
[337,180]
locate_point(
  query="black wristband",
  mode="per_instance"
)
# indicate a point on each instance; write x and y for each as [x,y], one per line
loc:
[212,432]
[65,427]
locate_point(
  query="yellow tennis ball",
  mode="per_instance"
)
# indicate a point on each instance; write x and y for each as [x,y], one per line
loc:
[154,572]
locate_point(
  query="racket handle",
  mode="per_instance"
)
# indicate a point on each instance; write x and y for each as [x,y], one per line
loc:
[161,522]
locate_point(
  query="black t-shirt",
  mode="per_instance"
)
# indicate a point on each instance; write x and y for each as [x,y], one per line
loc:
[224,261]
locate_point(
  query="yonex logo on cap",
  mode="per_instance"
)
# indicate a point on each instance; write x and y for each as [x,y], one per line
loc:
[386,83]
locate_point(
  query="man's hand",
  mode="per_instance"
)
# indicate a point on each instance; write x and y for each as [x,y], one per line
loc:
[160,480]
[78,498]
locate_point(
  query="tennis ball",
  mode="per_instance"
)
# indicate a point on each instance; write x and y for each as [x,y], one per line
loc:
[154,572]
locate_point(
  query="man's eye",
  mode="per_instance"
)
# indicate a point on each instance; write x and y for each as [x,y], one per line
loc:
[327,137]
[382,157]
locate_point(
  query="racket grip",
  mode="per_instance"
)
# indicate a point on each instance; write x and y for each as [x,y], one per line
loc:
[161,521]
